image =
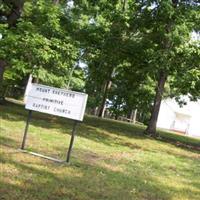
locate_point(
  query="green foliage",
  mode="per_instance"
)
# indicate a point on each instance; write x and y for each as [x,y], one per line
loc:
[129,43]
[40,44]
[125,42]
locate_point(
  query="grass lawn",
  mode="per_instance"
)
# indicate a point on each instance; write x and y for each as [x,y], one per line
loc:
[110,161]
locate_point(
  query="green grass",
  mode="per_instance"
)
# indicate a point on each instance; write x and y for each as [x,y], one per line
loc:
[110,161]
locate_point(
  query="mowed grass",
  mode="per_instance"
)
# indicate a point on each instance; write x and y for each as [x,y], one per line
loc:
[110,161]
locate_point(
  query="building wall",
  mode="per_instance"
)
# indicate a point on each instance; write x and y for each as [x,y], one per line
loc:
[166,117]
[169,110]
[194,129]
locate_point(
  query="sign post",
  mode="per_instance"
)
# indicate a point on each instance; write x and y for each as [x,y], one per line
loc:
[26,129]
[71,141]
[55,101]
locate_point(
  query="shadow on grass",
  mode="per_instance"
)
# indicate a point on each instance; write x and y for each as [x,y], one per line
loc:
[93,182]
[95,129]
[8,142]
[99,130]
[87,182]
[180,140]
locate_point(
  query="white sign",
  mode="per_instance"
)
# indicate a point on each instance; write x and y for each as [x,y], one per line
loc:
[56,101]
[28,87]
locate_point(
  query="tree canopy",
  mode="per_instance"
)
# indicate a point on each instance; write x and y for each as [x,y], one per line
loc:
[126,54]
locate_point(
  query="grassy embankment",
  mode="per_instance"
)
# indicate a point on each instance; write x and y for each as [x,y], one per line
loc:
[110,161]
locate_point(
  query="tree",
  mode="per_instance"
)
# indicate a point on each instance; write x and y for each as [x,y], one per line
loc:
[47,51]
[167,25]
[132,89]
[10,12]
[101,32]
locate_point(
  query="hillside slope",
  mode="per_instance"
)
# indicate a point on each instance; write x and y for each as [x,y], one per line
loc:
[110,161]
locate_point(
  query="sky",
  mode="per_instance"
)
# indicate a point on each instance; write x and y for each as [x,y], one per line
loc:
[195,36]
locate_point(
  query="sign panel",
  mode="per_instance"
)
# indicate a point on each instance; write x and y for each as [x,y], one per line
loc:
[28,87]
[56,101]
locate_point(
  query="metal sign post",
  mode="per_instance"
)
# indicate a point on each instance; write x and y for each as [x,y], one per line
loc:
[55,101]
[43,156]
[71,141]
[26,129]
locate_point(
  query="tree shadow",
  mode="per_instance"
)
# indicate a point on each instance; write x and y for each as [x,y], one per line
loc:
[88,181]
[38,182]
[93,129]
[108,132]
[8,142]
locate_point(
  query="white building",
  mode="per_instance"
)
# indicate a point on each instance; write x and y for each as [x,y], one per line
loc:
[184,119]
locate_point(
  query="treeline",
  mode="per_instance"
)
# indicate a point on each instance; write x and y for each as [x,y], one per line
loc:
[126,54]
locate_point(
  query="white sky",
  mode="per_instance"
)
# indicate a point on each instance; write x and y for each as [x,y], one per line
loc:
[195,36]
[70,4]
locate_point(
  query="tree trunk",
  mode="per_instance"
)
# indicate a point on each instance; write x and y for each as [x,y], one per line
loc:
[16,11]
[131,117]
[134,115]
[56,2]
[2,90]
[151,128]
[2,69]
[95,111]
[105,94]
[16,7]
[116,116]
